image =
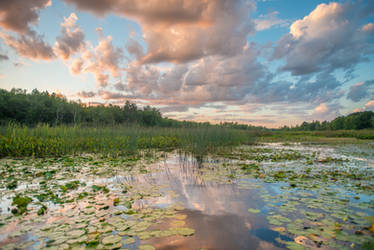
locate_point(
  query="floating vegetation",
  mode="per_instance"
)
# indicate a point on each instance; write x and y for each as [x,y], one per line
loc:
[298,196]
[330,203]
[254,211]
[21,203]
[63,203]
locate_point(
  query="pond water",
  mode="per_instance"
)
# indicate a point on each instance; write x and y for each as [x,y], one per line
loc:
[217,211]
[270,196]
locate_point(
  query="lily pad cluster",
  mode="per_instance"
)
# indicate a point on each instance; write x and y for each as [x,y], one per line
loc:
[85,202]
[317,195]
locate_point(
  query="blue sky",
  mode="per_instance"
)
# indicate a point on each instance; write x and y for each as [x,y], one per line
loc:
[268,63]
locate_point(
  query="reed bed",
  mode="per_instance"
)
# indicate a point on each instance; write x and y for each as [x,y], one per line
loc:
[44,140]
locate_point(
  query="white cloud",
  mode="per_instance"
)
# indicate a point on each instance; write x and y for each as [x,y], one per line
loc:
[330,37]
[269,20]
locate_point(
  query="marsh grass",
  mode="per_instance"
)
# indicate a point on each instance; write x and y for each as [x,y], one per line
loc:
[43,140]
[327,136]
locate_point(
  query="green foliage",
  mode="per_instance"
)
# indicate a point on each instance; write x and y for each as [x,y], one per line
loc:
[325,136]
[42,210]
[368,245]
[21,203]
[97,188]
[35,108]
[354,121]
[116,201]
[43,140]
[42,107]
[12,185]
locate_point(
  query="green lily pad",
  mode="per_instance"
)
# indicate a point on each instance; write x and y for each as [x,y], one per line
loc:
[254,211]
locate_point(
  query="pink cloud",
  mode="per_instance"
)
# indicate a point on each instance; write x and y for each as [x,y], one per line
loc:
[102,61]
[76,66]
[322,108]
[17,15]
[71,39]
[370,104]
[181,30]
[30,46]
[369,27]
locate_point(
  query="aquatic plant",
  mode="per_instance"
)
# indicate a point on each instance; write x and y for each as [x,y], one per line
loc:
[43,140]
[21,203]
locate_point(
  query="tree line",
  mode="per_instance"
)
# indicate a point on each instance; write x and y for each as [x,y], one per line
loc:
[37,107]
[19,106]
[353,121]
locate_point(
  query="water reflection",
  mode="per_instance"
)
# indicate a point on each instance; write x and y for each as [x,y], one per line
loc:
[218,212]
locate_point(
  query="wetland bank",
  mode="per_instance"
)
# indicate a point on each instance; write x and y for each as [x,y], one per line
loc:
[249,195]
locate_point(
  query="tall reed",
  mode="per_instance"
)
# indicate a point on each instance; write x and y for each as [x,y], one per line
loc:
[43,140]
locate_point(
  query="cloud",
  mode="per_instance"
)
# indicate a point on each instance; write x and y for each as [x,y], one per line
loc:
[76,66]
[3,57]
[236,80]
[181,30]
[134,48]
[170,109]
[102,79]
[119,86]
[269,20]
[30,46]
[108,95]
[209,60]
[17,15]
[210,79]
[323,88]
[103,60]
[330,37]
[84,94]
[361,90]
[369,27]
[71,39]
[370,104]
[322,108]
[367,107]
[326,111]
[19,64]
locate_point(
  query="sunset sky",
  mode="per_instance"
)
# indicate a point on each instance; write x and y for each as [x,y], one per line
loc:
[269,62]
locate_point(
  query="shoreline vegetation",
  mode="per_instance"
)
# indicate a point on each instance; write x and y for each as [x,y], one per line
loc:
[40,124]
[44,141]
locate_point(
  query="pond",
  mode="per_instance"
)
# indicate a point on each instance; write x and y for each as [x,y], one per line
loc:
[268,196]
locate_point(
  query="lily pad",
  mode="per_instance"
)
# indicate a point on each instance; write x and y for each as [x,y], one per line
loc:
[254,211]
[146,247]
[111,239]
[75,233]
[130,240]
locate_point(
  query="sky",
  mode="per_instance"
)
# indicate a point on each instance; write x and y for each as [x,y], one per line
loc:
[265,63]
